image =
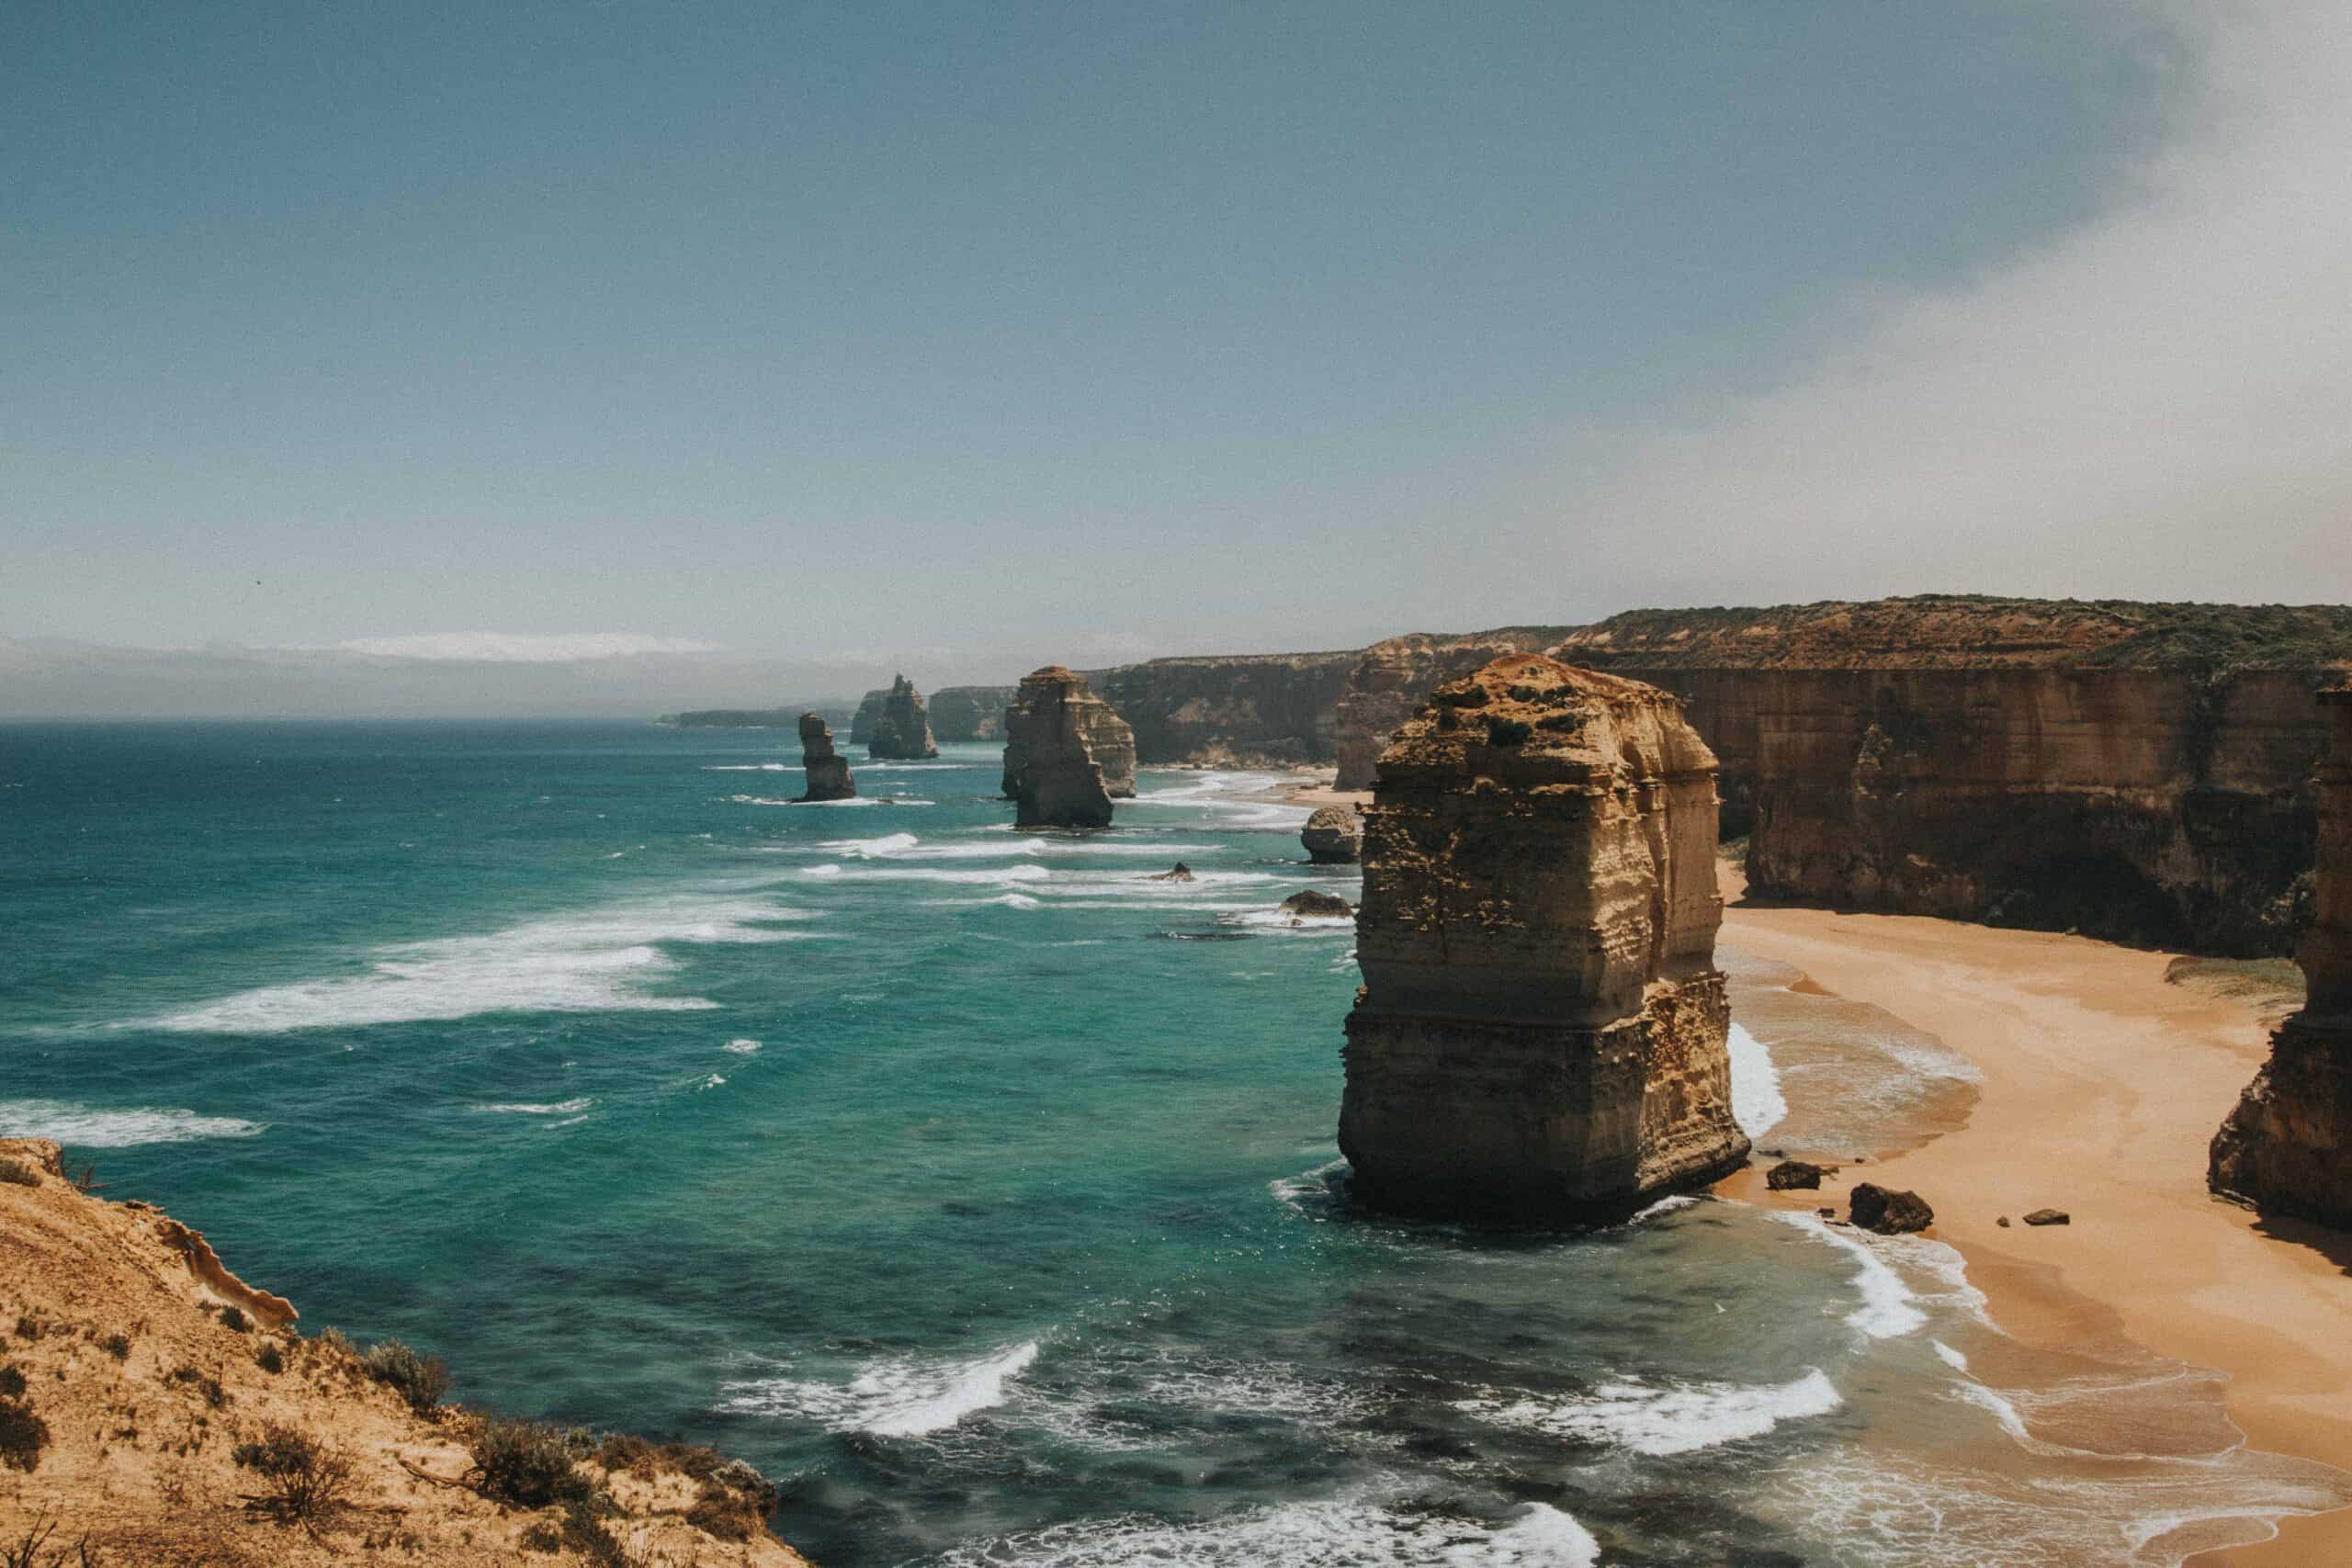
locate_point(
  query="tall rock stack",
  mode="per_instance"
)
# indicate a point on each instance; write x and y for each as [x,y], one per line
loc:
[1541,1034]
[869,714]
[902,730]
[1052,769]
[2288,1147]
[829,778]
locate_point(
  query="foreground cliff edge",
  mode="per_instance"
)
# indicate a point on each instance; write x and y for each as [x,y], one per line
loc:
[1540,1035]
[156,1410]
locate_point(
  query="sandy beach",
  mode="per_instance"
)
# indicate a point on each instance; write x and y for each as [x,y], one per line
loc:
[2102,1085]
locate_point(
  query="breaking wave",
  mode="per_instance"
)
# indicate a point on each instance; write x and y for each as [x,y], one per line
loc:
[900,1398]
[1300,1535]
[1675,1419]
[88,1127]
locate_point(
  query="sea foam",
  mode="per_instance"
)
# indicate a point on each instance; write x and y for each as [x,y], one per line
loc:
[1334,1534]
[1756,1101]
[595,961]
[90,1127]
[904,1397]
[1675,1419]
[1888,1308]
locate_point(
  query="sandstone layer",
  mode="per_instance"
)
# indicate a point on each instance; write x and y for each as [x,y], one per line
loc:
[970,713]
[1052,771]
[145,1365]
[829,775]
[902,730]
[1540,1033]
[1332,836]
[1255,710]
[2288,1147]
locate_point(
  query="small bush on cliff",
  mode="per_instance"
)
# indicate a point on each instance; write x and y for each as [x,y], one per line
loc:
[527,1463]
[12,1383]
[420,1380]
[309,1481]
[269,1359]
[117,1346]
[235,1321]
[22,1436]
[18,1174]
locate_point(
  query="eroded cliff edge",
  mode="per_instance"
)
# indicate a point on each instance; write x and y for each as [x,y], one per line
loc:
[1540,1038]
[2288,1147]
[146,1396]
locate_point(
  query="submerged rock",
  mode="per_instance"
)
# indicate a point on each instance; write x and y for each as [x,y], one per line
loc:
[1052,771]
[1793,1173]
[2288,1147]
[1332,836]
[1311,905]
[829,775]
[1180,871]
[1540,1033]
[1888,1210]
[901,729]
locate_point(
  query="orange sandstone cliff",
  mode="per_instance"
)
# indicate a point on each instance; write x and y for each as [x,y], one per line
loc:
[158,1412]
[1540,1033]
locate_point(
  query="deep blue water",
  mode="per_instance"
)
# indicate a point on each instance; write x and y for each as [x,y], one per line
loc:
[978,1189]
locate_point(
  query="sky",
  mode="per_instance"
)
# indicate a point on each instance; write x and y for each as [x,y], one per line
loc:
[962,338]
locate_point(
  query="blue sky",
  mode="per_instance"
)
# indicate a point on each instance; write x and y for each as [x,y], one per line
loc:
[981,335]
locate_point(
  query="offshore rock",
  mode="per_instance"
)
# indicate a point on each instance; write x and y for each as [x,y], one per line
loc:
[1332,836]
[1540,1033]
[970,713]
[1180,871]
[2288,1147]
[1052,771]
[828,776]
[902,730]
[868,714]
[1311,905]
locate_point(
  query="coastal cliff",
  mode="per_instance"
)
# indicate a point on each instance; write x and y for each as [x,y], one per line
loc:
[156,1409]
[970,712]
[828,770]
[902,730]
[1052,771]
[2139,771]
[2288,1147]
[1257,710]
[1540,1033]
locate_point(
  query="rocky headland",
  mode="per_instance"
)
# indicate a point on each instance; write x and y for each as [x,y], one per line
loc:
[901,730]
[2288,1147]
[970,712]
[828,770]
[1540,1035]
[1053,770]
[156,1410]
[1236,710]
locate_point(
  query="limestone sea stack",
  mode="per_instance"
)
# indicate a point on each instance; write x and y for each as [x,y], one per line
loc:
[902,730]
[2288,1147]
[1330,837]
[1053,770]
[868,714]
[1540,1038]
[828,776]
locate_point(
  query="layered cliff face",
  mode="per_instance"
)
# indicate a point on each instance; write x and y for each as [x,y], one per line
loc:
[1052,771]
[868,714]
[150,1399]
[1248,710]
[2288,1147]
[970,713]
[902,730]
[2140,772]
[1540,1033]
[1387,682]
[828,770]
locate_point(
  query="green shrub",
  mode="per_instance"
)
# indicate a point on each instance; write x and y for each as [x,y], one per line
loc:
[269,1359]
[117,1346]
[12,1382]
[235,1321]
[309,1481]
[527,1463]
[18,1174]
[420,1380]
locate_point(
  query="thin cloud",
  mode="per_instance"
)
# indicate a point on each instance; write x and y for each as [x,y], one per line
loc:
[2151,405]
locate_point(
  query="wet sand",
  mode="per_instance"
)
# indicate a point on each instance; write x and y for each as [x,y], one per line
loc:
[2102,1085]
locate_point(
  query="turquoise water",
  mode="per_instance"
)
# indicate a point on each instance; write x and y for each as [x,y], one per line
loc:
[980,1190]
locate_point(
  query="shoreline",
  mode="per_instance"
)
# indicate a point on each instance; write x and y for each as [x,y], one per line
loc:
[2101,1087]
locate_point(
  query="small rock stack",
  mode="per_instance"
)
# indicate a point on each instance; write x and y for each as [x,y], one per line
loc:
[828,776]
[1540,1036]
[2288,1147]
[901,729]
[1330,837]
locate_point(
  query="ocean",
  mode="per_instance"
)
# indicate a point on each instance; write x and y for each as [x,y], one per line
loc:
[982,1191]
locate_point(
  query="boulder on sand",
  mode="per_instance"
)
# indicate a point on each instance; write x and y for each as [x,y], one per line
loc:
[1889,1211]
[1791,1173]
